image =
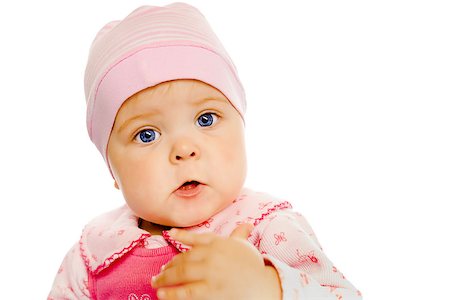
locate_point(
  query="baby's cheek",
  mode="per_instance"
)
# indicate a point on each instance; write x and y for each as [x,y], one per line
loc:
[237,155]
[231,157]
[234,146]
[233,165]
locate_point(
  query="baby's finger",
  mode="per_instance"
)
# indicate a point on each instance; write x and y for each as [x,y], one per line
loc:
[191,238]
[179,274]
[194,255]
[242,231]
[195,290]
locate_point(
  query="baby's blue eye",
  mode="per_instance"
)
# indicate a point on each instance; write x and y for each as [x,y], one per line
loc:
[206,119]
[147,136]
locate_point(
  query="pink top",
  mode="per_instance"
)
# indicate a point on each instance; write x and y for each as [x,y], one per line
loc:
[128,277]
[98,267]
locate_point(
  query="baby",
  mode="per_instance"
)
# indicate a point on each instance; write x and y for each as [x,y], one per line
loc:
[165,108]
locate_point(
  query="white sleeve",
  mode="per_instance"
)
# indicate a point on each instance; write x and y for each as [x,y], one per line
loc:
[288,243]
[71,281]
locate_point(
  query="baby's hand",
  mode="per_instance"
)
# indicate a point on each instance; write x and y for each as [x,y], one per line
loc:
[217,268]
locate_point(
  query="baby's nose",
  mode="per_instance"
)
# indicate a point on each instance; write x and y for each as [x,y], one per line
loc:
[184,149]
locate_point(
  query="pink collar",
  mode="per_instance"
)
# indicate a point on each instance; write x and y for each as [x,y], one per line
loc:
[111,235]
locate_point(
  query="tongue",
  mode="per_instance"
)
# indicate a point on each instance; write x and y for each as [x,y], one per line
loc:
[188,186]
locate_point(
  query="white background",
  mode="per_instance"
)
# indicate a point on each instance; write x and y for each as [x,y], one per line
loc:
[348,118]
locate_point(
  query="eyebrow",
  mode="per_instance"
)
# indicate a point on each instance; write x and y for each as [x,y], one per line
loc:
[152,113]
[203,100]
[136,117]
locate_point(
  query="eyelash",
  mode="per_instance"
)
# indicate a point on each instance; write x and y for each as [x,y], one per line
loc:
[157,134]
[214,121]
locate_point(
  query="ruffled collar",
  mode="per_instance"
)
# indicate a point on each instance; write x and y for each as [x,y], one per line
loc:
[112,235]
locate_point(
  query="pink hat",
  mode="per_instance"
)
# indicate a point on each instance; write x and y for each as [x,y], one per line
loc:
[150,46]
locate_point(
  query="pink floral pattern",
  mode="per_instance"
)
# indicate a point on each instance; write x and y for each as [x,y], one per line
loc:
[282,236]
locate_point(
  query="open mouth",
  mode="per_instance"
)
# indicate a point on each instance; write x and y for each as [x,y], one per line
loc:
[189,185]
[190,189]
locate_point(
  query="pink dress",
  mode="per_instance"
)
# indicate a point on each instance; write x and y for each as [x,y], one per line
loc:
[115,259]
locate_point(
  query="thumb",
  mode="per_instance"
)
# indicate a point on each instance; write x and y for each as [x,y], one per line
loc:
[242,231]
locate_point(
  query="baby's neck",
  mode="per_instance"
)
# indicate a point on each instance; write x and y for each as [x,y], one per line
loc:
[152,228]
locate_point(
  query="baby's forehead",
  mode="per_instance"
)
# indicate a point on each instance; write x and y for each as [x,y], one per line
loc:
[182,90]
[181,87]
[168,95]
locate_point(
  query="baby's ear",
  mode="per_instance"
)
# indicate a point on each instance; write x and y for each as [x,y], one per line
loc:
[115,185]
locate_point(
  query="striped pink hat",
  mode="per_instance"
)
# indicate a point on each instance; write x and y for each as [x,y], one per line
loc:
[150,46]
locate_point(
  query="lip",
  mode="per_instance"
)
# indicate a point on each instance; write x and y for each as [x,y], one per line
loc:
[189,193]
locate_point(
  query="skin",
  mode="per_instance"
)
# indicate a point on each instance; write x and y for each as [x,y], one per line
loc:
[183,147]
[218,268]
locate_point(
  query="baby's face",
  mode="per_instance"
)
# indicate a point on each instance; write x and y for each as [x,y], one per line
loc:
[177,153]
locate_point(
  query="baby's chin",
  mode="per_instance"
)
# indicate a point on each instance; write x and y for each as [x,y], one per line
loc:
[176,224]
[190,223]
